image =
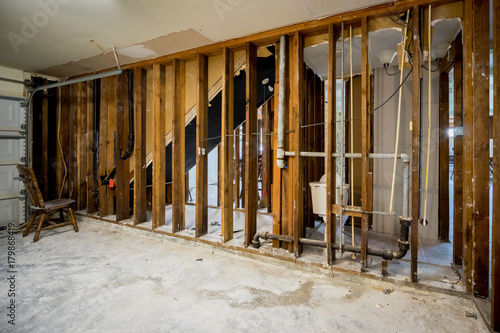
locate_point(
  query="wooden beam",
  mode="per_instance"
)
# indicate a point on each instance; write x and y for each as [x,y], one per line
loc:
[444,157]
[468,140]
[495,220]
[45,145]
[458,161]
[298,94]
[365,137]
[73,142]
[201,146]
[82,145]
[103,138]
[111,140]
[288,174]
[309,145]
[178,146]
[158,145]
[480,173]
[227,115]
[90,199]
[62,141]
[140,98]
[330,144]
[121,183]
[251,194]
[415,134]
[277,172]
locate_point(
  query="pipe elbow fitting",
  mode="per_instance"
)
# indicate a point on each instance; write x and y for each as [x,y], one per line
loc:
[257,237]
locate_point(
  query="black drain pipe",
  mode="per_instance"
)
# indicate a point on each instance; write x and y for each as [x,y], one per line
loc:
[387,254]
[130,148]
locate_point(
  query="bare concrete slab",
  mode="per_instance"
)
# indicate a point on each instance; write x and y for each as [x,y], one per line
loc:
[109,278]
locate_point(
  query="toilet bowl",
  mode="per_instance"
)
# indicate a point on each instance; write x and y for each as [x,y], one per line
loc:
[318,193]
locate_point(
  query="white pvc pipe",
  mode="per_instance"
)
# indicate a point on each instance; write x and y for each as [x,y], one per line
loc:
[280,151]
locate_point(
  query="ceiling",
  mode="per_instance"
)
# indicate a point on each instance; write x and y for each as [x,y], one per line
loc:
[316,56]
[64,38]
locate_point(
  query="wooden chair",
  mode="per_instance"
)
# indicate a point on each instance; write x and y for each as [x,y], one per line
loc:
[43,211]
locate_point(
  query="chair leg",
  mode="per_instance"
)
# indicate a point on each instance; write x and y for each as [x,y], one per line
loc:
[43,218]
[30,223]
[61,215]
[72,219]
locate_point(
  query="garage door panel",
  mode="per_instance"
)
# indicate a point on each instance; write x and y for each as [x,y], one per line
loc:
[12,152]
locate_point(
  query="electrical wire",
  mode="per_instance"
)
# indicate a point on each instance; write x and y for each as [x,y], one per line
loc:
[424,221]
[398,123]
[394,93]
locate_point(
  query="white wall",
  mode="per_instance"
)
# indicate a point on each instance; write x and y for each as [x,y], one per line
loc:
[384,141]
[12,89]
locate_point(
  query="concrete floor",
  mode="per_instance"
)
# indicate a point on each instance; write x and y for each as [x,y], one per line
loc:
[109,278]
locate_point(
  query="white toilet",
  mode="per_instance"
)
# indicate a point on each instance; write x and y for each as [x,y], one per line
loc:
[318,193]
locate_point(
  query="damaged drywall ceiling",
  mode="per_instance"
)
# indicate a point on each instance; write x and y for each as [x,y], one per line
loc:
[40,35]
[316,56]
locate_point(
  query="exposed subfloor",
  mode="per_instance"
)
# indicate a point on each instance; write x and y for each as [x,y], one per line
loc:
[110,278]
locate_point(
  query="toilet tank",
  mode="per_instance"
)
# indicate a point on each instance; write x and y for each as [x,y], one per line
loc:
[318,194]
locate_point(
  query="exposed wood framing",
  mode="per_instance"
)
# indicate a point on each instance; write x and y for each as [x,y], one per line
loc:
[309,146]
[110,143]
[140,98]
[158,145]
[298,99]
[468,140]
[480,171]
[201,146]
[178,146]
[444,157]
[458,160]
[495,269]
[62,141]
[365,137]
[288,189]
[329,147]
[73,143]
[276,187]
[121,176]
[90,199]
[227,145]
[82,145]
[415,165]
[45,144]
[251,194]
[103,137]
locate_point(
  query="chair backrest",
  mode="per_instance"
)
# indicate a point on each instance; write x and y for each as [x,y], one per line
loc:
[28,177]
